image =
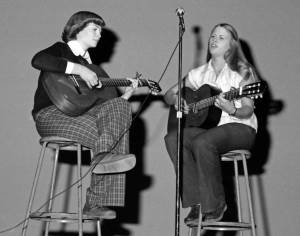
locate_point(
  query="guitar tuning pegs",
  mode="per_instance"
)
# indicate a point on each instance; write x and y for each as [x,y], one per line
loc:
[138,75]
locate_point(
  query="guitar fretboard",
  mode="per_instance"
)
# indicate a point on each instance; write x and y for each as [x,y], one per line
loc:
[117,82]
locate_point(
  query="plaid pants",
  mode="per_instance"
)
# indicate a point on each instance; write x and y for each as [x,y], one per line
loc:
[104,128]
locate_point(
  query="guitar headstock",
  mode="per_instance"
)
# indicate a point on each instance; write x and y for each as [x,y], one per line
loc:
[152,85]
[254,90]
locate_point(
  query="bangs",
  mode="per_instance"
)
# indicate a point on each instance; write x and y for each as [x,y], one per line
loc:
[78,21]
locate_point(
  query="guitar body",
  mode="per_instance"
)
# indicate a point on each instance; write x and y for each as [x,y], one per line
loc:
[205,118]
[63,94]
[71,95]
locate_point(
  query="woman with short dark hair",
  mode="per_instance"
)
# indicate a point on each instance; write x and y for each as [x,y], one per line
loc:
[103,127]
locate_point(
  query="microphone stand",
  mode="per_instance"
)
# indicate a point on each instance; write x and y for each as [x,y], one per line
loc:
[179,135]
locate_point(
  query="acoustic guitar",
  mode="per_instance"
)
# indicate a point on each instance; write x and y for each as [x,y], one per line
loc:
[202,113]
[70,94]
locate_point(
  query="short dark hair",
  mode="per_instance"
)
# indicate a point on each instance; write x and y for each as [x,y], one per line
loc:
[77,22]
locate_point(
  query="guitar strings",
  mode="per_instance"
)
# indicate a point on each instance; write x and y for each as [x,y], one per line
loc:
[209,101]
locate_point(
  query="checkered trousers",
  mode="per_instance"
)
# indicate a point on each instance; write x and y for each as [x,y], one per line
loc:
[104,128]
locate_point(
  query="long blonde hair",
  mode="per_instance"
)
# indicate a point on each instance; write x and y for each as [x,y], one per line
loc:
[235,57]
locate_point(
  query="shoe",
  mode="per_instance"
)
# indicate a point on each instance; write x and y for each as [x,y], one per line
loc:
[113,163]
[216,215]
[98,211]
[193,216]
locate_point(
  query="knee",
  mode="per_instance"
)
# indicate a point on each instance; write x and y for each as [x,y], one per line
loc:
[121,105]
[125,105]
[171,144]
[199,144]
[171,139]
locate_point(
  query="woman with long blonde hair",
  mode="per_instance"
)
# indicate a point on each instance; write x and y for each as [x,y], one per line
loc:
[226,68]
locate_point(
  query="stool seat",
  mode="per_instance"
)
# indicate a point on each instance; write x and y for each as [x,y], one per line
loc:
[235,154]
[61,143]
[55,139]
[62,217]
[223,226]
[58,144]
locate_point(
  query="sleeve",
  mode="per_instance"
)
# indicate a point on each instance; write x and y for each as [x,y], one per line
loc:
[70,66]
[50,59]
[195,78]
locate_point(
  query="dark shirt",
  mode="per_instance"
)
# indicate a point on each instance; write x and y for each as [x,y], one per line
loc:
[54,59]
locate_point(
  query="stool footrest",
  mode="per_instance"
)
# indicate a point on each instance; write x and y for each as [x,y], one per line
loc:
[62,217]
[223,226]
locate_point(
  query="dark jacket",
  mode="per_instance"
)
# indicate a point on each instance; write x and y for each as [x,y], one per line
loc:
[54,59]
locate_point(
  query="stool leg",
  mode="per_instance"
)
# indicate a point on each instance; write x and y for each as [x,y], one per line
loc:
[249,196]
[79,190]
[33,188]
[199,226]
[199,222]
[190,231]
[238,191]
[98,223]
[52,185]
[98,227]
[68,193]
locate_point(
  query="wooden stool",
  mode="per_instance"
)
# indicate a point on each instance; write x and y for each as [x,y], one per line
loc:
[58,144]
[242,224]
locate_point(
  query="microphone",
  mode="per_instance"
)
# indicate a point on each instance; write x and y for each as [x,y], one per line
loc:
[180,12]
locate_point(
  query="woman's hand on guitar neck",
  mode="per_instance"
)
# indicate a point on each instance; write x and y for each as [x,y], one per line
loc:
[89,76]
[128,91]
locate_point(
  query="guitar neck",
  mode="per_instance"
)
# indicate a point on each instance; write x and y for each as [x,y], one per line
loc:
[115,82]
[230,95]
